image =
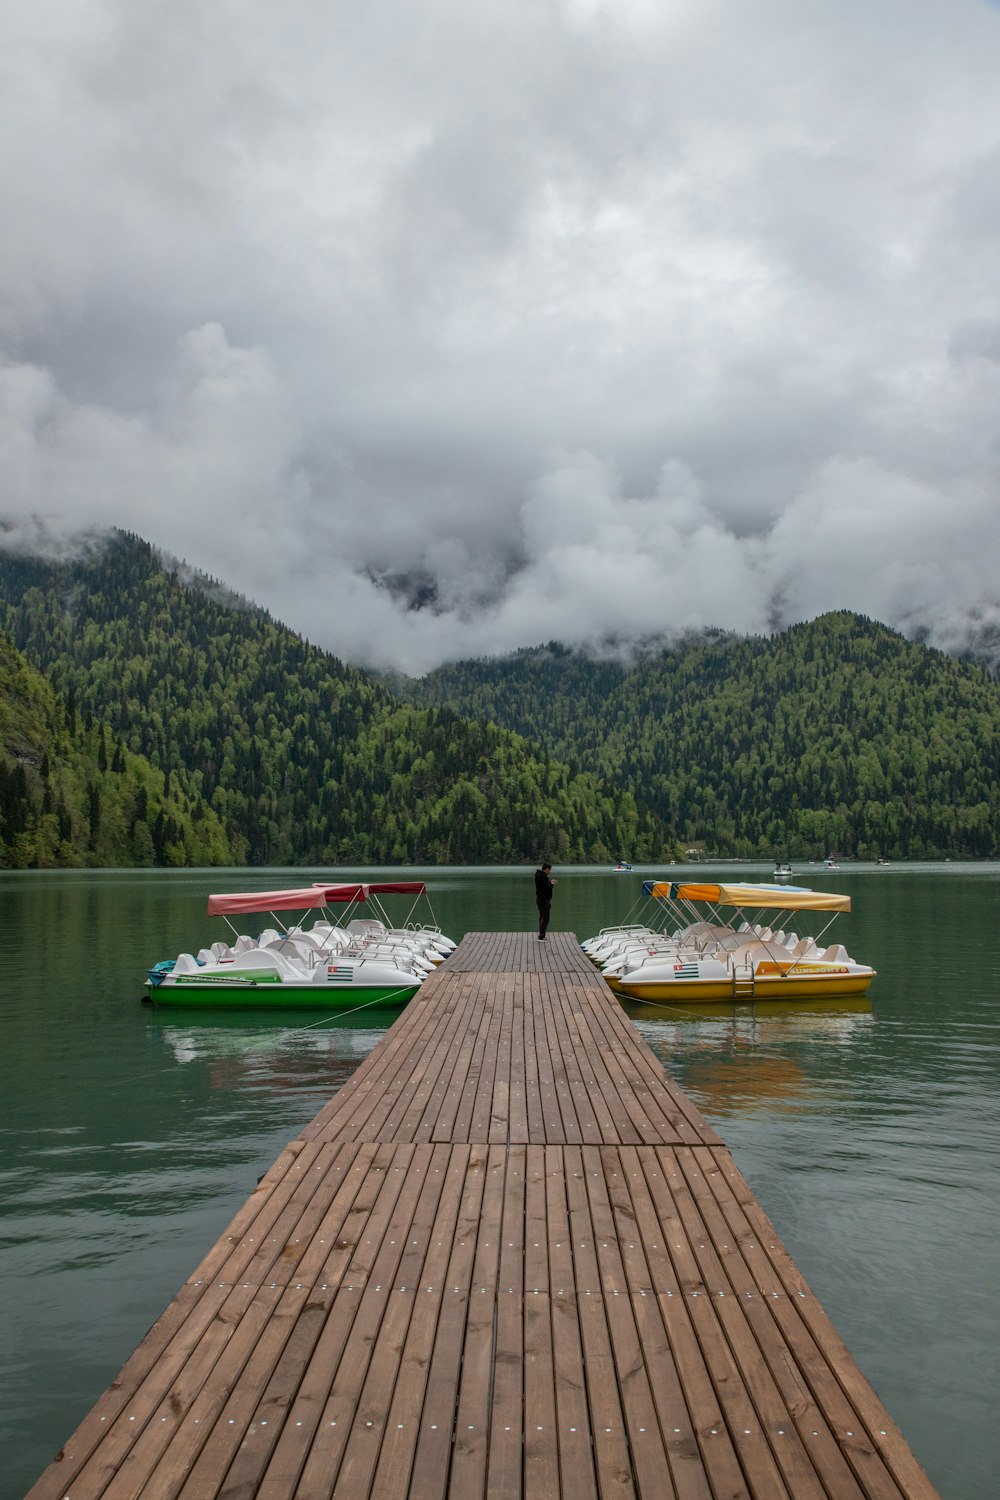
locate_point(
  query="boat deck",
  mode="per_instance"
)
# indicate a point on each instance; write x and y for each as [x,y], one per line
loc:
[508,1258]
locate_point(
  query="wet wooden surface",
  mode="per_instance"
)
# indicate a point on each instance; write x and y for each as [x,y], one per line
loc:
[509,1258]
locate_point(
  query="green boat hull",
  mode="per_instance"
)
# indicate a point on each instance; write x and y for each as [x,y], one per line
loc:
[275,995]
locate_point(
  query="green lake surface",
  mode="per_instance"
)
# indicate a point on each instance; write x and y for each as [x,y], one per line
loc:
[869,1130]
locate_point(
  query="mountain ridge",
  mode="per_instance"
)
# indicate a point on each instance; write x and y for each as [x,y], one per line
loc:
[835,734]
[303,759]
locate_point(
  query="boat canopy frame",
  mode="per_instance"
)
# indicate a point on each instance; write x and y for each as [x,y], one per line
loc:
[318,896]
[764,898]
[354,893]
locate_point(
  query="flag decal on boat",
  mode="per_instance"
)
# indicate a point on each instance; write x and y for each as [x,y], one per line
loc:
[685,971]
[342,973]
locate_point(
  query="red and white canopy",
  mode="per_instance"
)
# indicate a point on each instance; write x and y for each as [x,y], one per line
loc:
[305,897]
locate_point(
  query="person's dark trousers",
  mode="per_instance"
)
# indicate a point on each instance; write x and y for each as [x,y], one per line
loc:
[543,918]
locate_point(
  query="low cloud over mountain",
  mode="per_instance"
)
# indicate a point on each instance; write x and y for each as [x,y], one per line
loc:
[440,330]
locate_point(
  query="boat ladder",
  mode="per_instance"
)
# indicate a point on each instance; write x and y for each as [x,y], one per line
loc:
[744,983]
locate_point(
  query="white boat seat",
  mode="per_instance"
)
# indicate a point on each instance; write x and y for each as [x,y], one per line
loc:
[305,940]
[266,959]
[729,944]
[302,957]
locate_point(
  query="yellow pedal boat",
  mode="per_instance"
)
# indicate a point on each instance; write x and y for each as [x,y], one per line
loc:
[736,953]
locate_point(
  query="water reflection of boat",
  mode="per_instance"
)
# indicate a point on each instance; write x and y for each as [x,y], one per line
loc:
[243,1030]
[729,1085]
[729,957]
[832,1019]
[740,1060]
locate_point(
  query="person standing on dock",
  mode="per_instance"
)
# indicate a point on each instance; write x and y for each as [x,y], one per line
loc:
[543,898]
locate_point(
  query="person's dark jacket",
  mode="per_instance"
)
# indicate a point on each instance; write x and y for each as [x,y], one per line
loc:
[543,887]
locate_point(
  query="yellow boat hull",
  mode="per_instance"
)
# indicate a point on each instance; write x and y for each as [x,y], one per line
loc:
[765,987]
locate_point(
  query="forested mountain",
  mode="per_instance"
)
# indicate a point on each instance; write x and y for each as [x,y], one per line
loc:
[71,794]
[281,752]
[838,735]
[176,724]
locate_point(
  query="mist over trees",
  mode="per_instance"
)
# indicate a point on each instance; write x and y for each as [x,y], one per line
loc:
[261,749]
[149,716]
[837,734]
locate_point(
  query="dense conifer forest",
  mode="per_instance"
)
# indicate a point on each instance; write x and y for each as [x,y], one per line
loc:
[836,735]
[72,794]
[151,717]
[252,746]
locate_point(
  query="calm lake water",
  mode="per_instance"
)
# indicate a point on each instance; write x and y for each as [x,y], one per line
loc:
[870,1131]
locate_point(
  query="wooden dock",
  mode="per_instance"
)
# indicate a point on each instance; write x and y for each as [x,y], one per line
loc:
[508,1258]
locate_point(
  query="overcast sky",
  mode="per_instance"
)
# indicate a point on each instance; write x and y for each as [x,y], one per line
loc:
[443,328]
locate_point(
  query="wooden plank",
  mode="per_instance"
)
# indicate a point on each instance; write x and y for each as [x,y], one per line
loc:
[849,1411]
[759,1351]
[508,1258]
[432,1459]
[659,1109]
[604,1400]
[665,1184]
[478,1077]
[400,1109]
[719,1252]
[411,1102]
[403,1425]
[561,1088]
[472,1413]
[576,1461]
[612,1120]
[369,1117]
[551,1127]
[420,1017]
[482,1105]
[452,1061]
[370,1427]
[253,1419]
[517,1112]
[102,1442]
[459,1073]
[599,1259]
[498,1128]
[328,1396]
[534,1084]
[541,1455]
[507,1418]
[690,1476]
[277,1245]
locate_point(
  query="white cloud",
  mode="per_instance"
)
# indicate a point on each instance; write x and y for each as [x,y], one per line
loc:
[569,320]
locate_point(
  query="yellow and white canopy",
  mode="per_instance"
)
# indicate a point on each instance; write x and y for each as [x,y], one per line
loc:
[779,898]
